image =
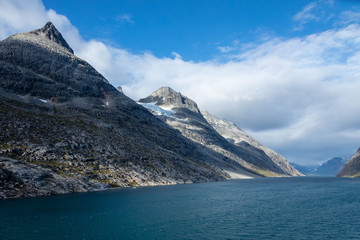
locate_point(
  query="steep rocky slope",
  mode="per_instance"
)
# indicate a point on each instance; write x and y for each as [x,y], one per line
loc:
[352,167]
[64,128]
[240,138]
[182,114]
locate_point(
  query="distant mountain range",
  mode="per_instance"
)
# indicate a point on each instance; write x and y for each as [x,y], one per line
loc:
[65,128]
[307,170]
[331,167]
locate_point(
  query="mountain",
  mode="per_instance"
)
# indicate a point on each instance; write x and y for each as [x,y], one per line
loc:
[352,167]
[64,128]
[183,114]
[332,167]
[307,170]
[240,138]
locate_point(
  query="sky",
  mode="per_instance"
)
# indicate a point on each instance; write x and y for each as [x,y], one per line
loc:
[287,72]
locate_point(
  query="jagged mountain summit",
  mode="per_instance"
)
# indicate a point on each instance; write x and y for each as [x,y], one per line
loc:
[182,114]
[42,36]
[352,167]
[64,128]
[50,32]
[166,97]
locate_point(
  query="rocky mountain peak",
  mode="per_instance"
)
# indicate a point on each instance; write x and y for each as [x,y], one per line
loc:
[50,32]
[169,98]
[52,70]
[119,88]
[165,91]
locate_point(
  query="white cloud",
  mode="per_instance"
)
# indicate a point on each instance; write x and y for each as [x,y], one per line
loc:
[306,14]
[226,49]
[125,17]
[176,56]
[314,11]
[349,16]
[299,96]
[17,15]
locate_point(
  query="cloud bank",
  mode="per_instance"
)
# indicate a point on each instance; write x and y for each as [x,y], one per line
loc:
[299,96]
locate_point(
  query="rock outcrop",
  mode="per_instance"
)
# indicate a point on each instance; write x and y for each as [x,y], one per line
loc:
[182,113]
[352,167]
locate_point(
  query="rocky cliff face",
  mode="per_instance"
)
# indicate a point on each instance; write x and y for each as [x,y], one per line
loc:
[352,167]
[182,113]
[64,128]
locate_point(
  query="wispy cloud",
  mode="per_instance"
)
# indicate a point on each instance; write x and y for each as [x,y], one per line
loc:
[306,15]
[125,17]
[314,11]
[349,16]
[226,49]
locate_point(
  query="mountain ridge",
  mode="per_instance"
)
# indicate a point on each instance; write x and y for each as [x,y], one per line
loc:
[198,127]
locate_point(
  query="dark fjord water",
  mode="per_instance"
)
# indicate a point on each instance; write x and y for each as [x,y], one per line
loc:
[269,208]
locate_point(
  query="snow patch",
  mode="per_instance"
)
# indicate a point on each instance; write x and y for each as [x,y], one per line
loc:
[158,110]
[240,174]
[43,100]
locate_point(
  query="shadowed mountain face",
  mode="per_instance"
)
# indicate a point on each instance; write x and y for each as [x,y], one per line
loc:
[218,135]
[64,128]
[352,167]
[307,170]
[332,167]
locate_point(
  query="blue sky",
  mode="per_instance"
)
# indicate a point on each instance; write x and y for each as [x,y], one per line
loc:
[195,29]
[287,72]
